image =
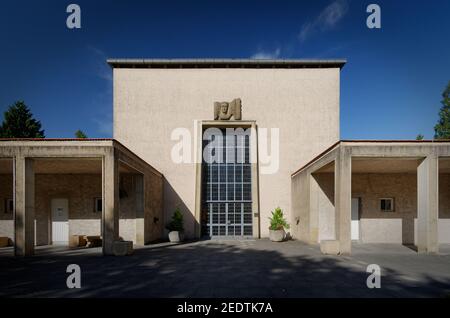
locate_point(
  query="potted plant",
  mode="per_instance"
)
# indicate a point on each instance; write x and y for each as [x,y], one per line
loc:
[175,227]
[277,225]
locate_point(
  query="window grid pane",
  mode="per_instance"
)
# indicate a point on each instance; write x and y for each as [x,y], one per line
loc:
[228,189]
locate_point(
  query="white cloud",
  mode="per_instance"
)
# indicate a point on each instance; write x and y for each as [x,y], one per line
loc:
[102,101]
[326,20]
[264,55]
[100,67]
[104,125]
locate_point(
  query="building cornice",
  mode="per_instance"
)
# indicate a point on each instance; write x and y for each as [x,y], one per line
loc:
[226,63]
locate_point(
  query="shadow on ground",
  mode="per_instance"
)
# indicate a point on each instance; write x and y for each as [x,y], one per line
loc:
[206,269]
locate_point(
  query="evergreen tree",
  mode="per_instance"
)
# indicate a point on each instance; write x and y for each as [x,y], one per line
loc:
[80,134]
[442,128]
[19,123]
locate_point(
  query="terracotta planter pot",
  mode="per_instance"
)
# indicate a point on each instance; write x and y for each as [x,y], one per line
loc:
[176,236]
[277,235]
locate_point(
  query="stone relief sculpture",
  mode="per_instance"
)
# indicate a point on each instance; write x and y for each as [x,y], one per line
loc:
[225,110]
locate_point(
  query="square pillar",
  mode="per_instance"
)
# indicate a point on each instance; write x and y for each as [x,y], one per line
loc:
[23,206]
[255,181]
[139,204]
[111,202]
[300,223]
[313,202]
[198,159]
[427,205]
[343,199]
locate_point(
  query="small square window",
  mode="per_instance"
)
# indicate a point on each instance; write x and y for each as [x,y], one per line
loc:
[9,205]
[387,204]
[98,205]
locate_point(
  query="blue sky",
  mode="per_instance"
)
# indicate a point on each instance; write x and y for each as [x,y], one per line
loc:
[390,88]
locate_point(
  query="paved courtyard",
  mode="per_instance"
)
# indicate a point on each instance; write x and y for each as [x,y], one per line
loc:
[253,268]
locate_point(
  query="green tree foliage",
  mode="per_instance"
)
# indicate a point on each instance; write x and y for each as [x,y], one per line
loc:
[80,134]
[419,137]
[442,128]
[176,224]
[18,122]
[277,221]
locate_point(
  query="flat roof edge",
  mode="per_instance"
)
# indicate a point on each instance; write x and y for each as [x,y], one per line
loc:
[343,141]
[226,63]
[396,141]
[105,142]
[56,139]
[320,155]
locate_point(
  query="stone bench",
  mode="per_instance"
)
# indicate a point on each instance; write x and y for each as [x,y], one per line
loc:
[94,241]
[77,241]
[4,241]
[330,247]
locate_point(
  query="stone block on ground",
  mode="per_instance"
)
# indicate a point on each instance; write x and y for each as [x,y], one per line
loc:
[330,247]
[122,248]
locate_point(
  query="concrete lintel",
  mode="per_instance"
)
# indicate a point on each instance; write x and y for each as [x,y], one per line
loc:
[134,169]
[62,148]
[132,160]
[55,143]
[379,149]
[321,161]
[405,150]
[228,123]
[45,151]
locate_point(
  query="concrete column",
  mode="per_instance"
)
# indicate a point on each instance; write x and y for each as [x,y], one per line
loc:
[301,214]
[427,205]
[198,157]
[139,193]
[255,181]
[313,209]
[23,206]
[296,214]
[305,206]
[343,199]
[111,202]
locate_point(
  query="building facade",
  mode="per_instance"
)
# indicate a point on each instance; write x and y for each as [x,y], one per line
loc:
[222,141]
[374,192]
[292,105]
[54,189]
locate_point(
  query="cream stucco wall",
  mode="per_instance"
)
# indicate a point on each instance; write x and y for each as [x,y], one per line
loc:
[399,226]
[324,203]
[6,219]
[80,190]
[150,103]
